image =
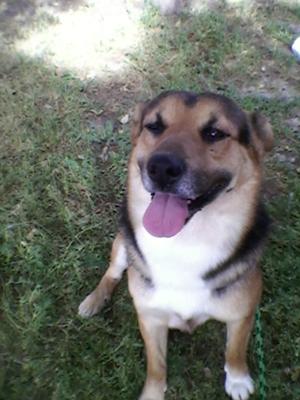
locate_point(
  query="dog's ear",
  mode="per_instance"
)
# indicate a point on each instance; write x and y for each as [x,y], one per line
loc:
[264,136]
[137,122]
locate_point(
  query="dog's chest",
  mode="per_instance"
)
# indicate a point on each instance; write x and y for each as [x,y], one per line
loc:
[176,267]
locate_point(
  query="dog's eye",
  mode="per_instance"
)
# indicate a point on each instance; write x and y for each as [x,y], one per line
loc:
[156,127]
[212,135]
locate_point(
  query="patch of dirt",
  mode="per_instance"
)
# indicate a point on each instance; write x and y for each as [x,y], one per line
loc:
[114,99]
[272,186]
[294,124]
[294,28]
[270,86]
[116,94]
[287,156]
[268,81]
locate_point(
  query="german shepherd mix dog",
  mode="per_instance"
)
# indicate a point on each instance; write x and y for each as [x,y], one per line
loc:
[192,228]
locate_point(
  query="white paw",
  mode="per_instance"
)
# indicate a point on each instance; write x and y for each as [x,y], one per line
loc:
[151,397]
[90,306]
[154,392]
[238,387]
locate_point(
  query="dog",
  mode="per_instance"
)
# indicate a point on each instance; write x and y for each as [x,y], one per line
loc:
[192,229]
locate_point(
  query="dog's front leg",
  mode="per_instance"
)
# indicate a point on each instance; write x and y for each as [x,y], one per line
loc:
[238,384]
[94,302]
[155,335]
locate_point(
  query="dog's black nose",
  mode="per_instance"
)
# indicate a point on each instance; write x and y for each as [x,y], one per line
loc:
[165,169]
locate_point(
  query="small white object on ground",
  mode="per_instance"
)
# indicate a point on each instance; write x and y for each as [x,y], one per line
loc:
[124,120]
[296,48]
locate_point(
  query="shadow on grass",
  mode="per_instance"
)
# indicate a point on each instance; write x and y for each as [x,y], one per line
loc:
[16,17]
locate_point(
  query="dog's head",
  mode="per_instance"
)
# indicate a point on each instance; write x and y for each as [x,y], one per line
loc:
[189,149]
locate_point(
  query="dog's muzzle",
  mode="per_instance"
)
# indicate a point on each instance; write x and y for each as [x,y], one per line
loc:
[177,192]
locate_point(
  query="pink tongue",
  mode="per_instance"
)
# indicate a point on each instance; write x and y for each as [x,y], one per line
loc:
[165,215]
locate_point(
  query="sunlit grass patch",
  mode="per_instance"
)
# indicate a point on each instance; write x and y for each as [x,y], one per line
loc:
[92,39]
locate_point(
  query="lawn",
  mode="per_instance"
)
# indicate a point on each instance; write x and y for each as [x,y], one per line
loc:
[70,76]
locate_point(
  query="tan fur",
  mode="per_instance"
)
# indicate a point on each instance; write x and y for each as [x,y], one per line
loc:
[96,300]
[155,337]
[237,307]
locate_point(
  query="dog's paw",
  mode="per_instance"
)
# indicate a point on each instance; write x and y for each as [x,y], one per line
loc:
[151,397]
[90,306]
[239,387]
[153,392]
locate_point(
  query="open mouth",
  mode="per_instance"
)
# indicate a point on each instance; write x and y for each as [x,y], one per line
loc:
[168,213]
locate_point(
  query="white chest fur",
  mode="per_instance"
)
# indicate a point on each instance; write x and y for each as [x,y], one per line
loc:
[177,264]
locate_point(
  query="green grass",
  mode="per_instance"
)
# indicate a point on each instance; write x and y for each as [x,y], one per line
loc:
[62,180]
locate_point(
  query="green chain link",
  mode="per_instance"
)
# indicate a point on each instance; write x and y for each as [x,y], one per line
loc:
[259,345]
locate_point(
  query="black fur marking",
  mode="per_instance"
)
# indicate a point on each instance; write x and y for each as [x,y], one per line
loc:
[244,134]
[188,98]
[257,121]
[126,227]
[231,110]
[252,240]
[210,195]
[211,135]
[210,123]
[157,127]
[220,290]
[234,113]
